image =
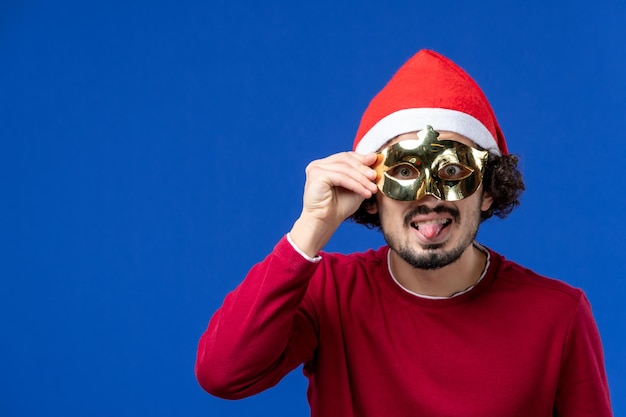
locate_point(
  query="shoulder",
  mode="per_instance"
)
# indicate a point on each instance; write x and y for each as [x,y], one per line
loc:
[354,266]
[526,281]
[369,257]
[345,272]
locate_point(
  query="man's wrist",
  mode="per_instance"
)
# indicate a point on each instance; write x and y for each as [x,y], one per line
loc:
[310,236]
[317,258]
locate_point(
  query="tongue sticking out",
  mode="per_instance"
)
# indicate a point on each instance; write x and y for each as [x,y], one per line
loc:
[430,230]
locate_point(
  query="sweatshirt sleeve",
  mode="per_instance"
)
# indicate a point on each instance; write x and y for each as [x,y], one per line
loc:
[262,330]
[583,388]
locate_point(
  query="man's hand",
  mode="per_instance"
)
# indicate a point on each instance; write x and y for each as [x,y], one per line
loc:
[335,188]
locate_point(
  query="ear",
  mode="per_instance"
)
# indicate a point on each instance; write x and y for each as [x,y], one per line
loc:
[371,206]
[486,202]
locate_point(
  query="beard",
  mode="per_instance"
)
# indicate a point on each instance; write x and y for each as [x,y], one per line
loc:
[430,257]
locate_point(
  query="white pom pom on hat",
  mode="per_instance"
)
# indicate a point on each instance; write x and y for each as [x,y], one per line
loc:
[430,89]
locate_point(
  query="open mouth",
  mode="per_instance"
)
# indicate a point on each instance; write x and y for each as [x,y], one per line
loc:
[431,228]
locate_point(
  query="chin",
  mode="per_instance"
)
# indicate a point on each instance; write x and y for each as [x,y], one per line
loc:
[429,257]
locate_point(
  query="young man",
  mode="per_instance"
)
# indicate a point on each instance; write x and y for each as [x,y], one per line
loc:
[433,324]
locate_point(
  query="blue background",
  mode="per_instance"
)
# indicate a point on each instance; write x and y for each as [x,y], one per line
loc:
[140,181]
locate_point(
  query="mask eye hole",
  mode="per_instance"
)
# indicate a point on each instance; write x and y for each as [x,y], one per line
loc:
[454,172]
[403,172]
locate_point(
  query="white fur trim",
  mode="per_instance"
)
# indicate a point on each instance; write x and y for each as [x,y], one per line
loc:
[411,120]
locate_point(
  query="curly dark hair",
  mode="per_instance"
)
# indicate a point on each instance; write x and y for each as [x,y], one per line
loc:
[501,180]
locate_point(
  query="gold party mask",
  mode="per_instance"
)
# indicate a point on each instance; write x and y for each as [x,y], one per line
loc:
[446,169]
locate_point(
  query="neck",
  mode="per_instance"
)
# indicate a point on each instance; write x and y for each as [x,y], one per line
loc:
[443,282]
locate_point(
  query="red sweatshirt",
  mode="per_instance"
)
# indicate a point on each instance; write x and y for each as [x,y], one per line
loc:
[518,344]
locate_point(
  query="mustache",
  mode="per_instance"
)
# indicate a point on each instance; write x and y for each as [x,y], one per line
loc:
[422,210]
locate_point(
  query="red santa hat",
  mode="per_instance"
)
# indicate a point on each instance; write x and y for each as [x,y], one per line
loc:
[429,89]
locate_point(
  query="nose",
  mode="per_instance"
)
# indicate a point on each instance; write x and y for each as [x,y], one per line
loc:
[428,187]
